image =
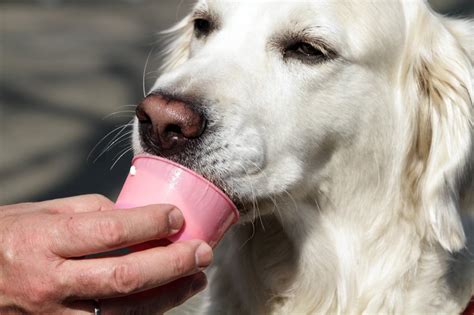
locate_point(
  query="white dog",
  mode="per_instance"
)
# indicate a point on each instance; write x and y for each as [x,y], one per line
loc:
[344,132]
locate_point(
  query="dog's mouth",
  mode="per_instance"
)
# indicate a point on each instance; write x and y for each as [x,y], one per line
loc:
[202,158]
[217,154]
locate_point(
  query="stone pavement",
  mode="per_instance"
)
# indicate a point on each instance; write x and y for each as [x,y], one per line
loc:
[65,67]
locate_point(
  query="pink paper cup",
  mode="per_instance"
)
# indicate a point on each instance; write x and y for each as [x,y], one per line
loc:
[208,212]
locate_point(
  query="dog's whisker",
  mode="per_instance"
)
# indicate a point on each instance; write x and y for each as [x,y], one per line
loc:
[118,135]
[272,199]
[326,198]
[114,114]
[178,9]
[119,140]
[153,72]
[121,155]
[255,204]
[250,237]
[109,145]
[122,150]
[295,204]
[145,72]
[128,124]
[104,138]
[121,116]
[316,201]
[254,212]
[123,138]
[276,207]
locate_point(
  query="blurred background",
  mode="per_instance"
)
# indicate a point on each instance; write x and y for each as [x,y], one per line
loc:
[69,73]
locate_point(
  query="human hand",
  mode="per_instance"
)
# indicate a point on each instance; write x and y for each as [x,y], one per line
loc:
[40,271]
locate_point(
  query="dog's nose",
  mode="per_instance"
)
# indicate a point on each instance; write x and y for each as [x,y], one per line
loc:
[169,123]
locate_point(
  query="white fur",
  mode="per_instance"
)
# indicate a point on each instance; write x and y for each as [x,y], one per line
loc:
[354,172]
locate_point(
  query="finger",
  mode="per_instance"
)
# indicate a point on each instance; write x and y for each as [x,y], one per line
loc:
[19,208]
[159,300]
[78,204]
[136,272]
[91,233]
[154,301]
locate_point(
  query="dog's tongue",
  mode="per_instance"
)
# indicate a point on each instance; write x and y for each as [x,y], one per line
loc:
[207,211]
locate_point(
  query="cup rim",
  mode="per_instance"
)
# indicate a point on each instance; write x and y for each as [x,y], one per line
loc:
[193,173]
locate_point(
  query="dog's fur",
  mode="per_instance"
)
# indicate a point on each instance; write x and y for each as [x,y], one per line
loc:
[353,173]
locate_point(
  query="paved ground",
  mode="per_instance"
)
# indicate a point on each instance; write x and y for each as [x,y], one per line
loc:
[64,67]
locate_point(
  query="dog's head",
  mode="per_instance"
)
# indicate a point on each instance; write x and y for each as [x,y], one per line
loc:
[261,97]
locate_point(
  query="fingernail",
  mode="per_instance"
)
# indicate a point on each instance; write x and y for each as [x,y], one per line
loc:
[176,220]
[203,255]
[199,283]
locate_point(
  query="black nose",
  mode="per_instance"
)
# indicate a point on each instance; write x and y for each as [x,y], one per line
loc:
[167,125]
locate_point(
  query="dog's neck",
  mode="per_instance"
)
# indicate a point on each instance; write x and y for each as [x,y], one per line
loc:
[335,266]
[343,248]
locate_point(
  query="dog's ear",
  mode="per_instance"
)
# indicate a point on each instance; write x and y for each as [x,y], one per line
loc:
[438,92]
[178,44]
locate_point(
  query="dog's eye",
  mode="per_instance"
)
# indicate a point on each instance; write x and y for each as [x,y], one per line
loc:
[202,27]
[304,51]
